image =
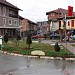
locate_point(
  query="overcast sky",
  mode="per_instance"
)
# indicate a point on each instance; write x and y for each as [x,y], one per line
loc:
[35,10]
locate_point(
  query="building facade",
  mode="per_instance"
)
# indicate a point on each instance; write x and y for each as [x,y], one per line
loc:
[10,21]
[43,27]
[56,18]
[28,26]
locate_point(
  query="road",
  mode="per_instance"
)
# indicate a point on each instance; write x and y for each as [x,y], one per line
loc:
[34,66]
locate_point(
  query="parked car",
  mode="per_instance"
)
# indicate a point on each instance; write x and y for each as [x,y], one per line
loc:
[1,36]
[72,37]
[55,35]
[38,36]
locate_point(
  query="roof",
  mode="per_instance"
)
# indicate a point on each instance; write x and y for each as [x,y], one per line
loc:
[8,4]
[31,22]
[20,17]
[60,18]
[59,10]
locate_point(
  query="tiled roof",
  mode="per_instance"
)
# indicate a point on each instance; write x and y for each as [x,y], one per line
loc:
[8,4]
[59,10]
[31,21]
[20,17]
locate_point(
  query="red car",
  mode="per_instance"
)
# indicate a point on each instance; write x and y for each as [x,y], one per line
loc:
[38,36]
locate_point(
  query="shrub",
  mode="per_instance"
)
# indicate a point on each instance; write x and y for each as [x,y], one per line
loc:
[6,38]
[18,38]
[57,48]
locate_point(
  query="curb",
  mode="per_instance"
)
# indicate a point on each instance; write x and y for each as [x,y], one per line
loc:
[41,57]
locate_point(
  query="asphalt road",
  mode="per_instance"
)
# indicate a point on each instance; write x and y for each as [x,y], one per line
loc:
[15,65]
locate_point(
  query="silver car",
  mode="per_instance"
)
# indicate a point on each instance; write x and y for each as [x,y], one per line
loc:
[72,36]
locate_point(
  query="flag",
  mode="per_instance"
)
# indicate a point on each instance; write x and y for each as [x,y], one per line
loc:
[70,10]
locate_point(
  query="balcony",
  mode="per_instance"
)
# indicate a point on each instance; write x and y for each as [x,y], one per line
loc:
[14,16]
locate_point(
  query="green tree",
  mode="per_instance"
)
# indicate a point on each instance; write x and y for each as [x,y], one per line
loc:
[29,40]
[6,38]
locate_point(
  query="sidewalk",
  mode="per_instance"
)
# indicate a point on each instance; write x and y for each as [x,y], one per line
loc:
[69,47]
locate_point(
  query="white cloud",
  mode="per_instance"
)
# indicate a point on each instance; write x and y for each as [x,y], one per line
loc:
[35,10]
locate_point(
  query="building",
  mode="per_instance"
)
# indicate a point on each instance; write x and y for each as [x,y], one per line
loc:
[43,27]
[55,19]
[28,25]
[10,21]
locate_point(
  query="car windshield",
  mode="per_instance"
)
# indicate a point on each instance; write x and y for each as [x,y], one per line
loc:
[54,34]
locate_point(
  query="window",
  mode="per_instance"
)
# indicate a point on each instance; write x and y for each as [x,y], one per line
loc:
[10,12]
[72,23]
[10,22]
[63,13]
[13,13]
[68,23]
[59,24]
[15,22]
[4,11]
[52,14]
[20,22]
[4,21]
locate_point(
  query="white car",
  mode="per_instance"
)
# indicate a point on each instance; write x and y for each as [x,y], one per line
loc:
[1,37]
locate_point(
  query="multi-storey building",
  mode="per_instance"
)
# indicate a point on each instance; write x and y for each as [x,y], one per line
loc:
[43,27]
[10,21]
[55,19]
[28,25]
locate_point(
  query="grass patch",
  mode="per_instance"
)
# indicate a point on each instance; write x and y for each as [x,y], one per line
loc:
[73,45]
[22,49]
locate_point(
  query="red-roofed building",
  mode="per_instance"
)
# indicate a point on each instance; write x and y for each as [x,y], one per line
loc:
[28,25]
[55,19]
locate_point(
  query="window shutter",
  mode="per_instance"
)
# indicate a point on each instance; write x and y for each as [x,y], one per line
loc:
[59,24]
[72,23]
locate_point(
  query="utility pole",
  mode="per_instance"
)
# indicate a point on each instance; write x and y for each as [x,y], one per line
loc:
[49,22]
[64,26]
